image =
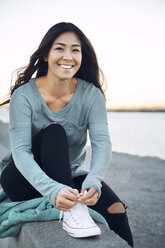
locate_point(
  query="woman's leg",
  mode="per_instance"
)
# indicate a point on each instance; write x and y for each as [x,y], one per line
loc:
[53,155]
[50,149]
[110,206]
[15,185]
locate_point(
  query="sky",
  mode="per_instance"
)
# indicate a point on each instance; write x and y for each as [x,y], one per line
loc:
[128,37]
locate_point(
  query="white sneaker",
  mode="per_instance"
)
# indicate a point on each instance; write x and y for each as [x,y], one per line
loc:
[78,222]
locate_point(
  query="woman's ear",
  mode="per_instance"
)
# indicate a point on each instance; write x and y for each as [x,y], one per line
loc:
[45,59]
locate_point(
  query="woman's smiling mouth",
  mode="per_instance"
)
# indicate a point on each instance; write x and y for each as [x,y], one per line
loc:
[66,66]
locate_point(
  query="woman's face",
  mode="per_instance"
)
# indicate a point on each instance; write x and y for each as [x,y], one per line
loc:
[65,56]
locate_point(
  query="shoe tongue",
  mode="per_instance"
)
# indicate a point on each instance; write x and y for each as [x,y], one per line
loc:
[81,210]
[79,205]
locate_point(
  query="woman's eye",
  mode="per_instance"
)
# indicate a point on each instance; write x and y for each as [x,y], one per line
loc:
[76,50]
[59,48]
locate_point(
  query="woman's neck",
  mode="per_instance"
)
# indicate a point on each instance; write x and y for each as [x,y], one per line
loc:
[57,88]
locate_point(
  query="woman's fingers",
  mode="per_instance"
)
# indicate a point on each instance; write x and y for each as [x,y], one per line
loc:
[91,192]
[63,209]
[91,197]
[64,204]
[70,194]
[91,201]
[66,198]
[73,193]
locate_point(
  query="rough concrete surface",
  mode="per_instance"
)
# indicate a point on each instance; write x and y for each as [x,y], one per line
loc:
[51,235]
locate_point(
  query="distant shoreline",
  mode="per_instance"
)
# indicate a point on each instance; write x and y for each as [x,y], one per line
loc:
[155,110]
[131,110]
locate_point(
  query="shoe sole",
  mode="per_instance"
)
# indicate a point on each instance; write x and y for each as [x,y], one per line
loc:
[79,233]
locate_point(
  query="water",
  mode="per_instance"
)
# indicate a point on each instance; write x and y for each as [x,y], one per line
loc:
[137,133]
[4,115]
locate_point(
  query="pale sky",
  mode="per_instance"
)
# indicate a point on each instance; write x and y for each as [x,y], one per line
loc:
[128,37]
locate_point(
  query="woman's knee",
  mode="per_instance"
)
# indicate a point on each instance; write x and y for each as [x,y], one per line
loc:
[54,135]
[54,128]
[53,123]
[117,207]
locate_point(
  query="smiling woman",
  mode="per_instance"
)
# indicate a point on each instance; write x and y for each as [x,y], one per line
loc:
[89,69]
[49,119]
[65,56]
[64,60]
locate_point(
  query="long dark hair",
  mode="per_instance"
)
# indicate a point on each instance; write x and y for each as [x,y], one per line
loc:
[88,71]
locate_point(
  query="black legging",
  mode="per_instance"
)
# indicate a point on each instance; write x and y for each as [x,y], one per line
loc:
[50,149]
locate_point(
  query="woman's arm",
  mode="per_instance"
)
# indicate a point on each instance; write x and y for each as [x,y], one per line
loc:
[21,143]
[100,142]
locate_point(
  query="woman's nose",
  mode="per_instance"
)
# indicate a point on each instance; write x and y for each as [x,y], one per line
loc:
[67,56]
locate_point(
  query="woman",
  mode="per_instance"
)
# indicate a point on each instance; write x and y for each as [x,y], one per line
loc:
[49,118]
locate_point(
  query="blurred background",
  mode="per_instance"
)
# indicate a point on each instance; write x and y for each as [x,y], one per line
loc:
[129,40]
[128,37]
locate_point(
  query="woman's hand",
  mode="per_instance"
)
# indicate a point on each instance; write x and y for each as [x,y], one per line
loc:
[90,198]
[66,198]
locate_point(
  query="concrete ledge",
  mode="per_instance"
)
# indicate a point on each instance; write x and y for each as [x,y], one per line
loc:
[50,234]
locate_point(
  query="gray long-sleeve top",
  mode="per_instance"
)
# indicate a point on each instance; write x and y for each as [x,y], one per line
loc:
[86,111]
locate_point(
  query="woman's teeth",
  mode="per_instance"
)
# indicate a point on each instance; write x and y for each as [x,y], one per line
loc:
[66,66]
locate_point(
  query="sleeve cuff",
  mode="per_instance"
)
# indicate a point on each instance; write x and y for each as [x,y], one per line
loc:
[92,183]
[52,199]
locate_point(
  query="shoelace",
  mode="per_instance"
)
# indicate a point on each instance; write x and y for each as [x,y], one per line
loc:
[82,213]
[61,215]
[62,212]
[78,214]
